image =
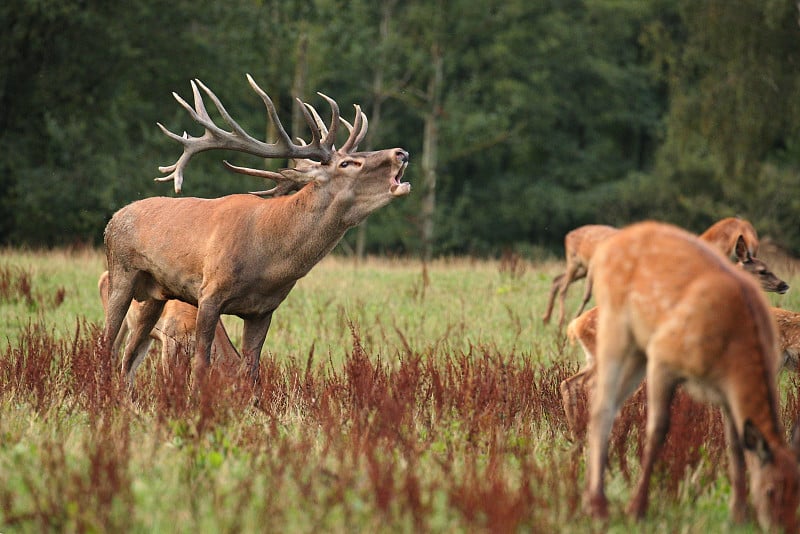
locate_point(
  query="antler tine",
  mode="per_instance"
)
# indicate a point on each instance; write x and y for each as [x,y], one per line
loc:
[323,128]
[357,131]
[238,139]
[283,137]
[285,184]
[330,137]
[313,125]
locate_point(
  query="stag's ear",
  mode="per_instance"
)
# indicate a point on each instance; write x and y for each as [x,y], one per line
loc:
[742,254]
[754,441]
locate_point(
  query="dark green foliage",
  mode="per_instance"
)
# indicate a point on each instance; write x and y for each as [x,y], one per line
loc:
[553,114]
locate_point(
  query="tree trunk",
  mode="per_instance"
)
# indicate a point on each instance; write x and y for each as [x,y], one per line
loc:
[377,102]
[430,143]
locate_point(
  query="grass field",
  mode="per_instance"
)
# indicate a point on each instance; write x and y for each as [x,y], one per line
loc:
[392,399]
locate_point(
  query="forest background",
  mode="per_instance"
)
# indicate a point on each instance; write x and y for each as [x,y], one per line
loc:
[524,119]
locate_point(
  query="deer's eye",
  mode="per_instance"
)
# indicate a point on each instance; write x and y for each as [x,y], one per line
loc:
[344,164]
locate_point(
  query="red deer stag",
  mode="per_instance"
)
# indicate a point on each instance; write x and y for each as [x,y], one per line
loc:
[673,308]
[174,329]
[242,254]
[579,246]
[583,330]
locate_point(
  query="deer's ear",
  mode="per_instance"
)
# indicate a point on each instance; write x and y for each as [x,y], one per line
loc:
[742,254]
[754,441]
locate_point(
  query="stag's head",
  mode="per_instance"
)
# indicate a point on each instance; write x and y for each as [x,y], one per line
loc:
[361,181]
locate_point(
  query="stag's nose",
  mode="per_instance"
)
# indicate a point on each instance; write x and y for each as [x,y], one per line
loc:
[783,288]
[401,155]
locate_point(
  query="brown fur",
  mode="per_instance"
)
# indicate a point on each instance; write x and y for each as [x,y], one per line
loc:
[724,234]
[579,246]
[672,308]
[583,330]
[240,254]
[175,329]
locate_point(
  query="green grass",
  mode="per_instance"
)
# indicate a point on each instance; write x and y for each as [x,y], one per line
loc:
[392,400]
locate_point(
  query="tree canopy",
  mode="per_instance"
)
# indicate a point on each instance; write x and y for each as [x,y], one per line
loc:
[532,118]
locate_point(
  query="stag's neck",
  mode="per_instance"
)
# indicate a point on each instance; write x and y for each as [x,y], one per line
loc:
[313,222]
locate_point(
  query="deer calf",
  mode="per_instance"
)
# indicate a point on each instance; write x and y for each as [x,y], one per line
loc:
[579,246]
[673,309]
[175,329]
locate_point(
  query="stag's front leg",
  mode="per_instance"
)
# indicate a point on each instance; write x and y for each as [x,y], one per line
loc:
[253,335]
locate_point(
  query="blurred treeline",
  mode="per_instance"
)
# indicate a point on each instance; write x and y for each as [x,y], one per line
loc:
[524,118]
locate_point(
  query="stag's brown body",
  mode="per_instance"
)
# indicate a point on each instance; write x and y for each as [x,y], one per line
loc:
[242,254]
[674,309]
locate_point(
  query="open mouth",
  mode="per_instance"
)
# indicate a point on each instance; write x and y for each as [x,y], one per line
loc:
[399,188]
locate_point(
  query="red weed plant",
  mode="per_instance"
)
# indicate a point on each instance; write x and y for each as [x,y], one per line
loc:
[16,284]
[695,439]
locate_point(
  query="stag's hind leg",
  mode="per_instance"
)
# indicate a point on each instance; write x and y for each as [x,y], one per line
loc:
[119,290]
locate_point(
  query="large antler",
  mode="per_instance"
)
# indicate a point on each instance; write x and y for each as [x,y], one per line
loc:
[289,181]
[319,149]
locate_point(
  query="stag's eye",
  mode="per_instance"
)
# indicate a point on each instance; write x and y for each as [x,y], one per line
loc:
[349,162]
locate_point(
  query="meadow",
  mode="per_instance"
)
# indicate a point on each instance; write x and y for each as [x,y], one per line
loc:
[394,397]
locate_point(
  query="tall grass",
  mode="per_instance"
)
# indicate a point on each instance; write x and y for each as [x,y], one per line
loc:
[393,397]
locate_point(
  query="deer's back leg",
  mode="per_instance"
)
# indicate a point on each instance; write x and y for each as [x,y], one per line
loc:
[575,391]
[575,271]
[619,368]
[121,286]
[551,298]
[139,343]
[661,384]
[587,294]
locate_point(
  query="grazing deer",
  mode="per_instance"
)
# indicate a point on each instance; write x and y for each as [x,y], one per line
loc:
[242,254]
[583,330]
[672,308]
[579,245]
[175,329]
[724,235]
